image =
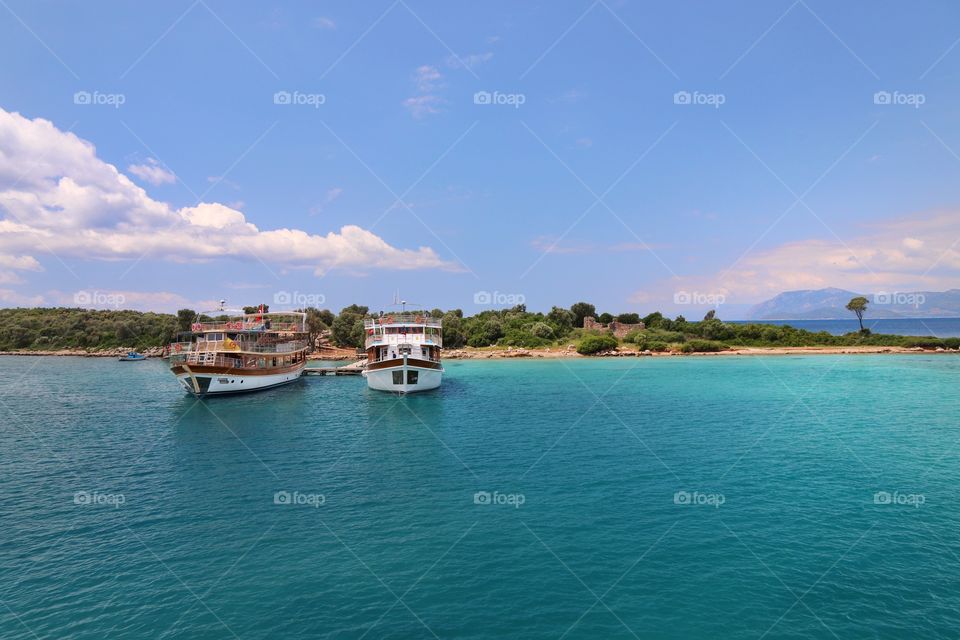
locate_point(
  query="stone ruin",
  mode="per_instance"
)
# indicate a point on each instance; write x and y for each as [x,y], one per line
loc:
[619,329]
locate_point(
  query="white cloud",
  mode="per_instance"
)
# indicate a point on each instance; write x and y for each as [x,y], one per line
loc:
[10,298]
[56,195]
[421,106]
[152,172]
[427,78]
[324,23]
[471,61]
[918,252]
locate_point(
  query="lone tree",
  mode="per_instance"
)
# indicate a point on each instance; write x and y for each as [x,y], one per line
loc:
[858,305]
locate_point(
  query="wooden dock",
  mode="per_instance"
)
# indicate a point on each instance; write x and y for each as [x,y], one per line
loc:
[353,369]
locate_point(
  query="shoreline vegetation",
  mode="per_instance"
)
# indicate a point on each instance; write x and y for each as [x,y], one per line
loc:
[491,334]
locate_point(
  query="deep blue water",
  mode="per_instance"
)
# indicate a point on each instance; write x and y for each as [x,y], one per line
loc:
[775,463]
[939,327]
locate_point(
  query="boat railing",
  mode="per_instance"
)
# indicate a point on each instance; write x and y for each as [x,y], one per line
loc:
[217,346]
[247,325]
[419,357]
[402,318]
[381,339]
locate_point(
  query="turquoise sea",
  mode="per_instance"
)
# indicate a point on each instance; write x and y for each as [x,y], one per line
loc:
[773,497]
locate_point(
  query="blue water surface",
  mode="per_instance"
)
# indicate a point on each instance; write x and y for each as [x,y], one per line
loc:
[734,497]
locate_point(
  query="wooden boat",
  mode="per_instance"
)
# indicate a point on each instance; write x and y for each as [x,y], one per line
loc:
[240,353]
[132,356]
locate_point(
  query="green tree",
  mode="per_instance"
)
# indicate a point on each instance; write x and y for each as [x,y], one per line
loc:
[653,320]
[256,309]
[605,318]
[185,319]
[858,305]
[629,318]
[580,311]
[316,324]
[541,330]
[562,320]
[454,335]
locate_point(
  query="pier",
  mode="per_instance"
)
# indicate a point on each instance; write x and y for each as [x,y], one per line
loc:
[353,369]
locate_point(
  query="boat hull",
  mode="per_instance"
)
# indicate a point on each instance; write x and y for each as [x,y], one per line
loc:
[215,381]
[402,376]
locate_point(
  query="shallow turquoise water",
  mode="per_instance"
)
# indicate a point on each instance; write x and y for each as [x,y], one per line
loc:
[177,534]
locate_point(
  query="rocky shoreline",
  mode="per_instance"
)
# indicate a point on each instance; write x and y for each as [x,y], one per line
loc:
[548,353]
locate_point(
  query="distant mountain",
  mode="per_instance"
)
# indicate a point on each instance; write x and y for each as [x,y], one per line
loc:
[828,304]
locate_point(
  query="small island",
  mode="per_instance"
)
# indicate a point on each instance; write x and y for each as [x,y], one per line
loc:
[514,332]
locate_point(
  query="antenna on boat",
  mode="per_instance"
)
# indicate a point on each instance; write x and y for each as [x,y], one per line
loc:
[222,305]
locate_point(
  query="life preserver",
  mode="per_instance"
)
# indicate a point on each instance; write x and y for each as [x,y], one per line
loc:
[419,319]
[177,347]
[388,320]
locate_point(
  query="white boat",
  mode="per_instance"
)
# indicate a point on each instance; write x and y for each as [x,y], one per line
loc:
[403,352]
[235,354]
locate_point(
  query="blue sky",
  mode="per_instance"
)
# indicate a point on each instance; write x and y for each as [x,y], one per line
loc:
[587,178]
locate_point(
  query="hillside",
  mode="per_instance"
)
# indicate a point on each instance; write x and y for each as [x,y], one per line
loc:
[830,303]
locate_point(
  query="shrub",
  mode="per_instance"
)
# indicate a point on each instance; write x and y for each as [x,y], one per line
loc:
[703,346]
[596,343]
[926,342]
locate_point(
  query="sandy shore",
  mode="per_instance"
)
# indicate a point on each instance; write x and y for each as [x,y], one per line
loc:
[568,352]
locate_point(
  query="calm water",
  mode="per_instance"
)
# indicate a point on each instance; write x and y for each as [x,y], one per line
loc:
[177,534]
[939,327]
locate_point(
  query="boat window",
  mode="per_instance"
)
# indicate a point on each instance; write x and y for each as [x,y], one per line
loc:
[398,377]
[412,377]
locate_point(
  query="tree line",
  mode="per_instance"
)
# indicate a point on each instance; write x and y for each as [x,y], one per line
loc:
[70,328]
